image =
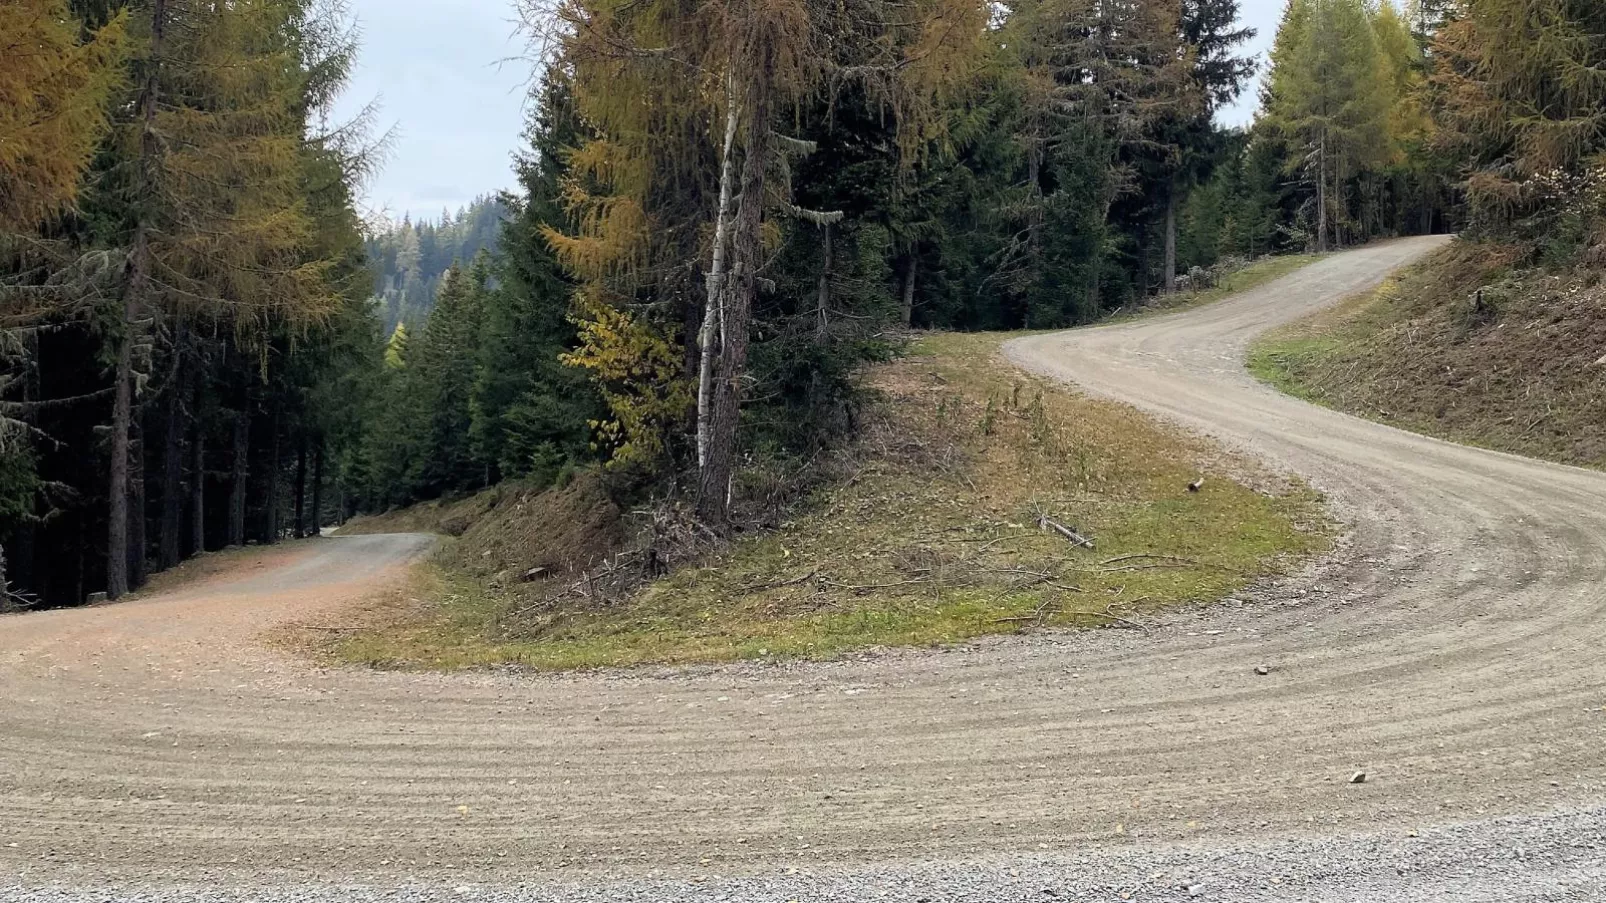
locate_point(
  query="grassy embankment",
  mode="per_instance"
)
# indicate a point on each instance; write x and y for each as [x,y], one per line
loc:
[1521,371]
[931,537]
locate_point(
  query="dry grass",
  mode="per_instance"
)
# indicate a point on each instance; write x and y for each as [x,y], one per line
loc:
[1252,276]
[932,537]
[1517,373]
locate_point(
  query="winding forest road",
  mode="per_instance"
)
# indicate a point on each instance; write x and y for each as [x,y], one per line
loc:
[1455,651]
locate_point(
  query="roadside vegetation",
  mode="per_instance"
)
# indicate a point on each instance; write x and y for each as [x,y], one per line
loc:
[1476,345]
[1225,278]
[928,530]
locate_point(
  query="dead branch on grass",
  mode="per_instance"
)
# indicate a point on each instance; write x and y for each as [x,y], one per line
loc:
[1046,524]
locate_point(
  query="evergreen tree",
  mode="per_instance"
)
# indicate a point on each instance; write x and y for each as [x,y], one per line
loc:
[1522,90]
[530,412]
[1328,98]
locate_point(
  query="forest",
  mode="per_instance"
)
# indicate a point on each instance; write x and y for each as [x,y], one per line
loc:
[723,211]
[408,258]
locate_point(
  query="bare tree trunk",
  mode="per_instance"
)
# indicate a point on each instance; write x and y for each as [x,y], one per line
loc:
[122,414]
[169,552]
[301,486]
[197,492]
[237,487]
[713,499]
[134,288]
[909,275]
[821,324]
[271,521]
[317,486]
[714,303]
[136,500]
[1171,240]
[1321,196]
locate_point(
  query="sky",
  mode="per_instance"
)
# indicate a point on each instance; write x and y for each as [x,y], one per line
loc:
[456,109]
[439,74]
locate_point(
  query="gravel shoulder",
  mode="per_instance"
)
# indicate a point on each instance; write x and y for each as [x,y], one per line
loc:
[159,750]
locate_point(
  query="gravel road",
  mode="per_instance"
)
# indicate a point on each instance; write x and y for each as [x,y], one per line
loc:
[158,750]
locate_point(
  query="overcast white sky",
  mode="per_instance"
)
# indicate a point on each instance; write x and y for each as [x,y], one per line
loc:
[458,114]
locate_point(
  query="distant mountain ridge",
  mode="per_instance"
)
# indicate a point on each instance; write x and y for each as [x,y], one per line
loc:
[408,258]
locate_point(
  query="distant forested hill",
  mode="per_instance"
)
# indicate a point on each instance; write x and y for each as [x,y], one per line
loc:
[408,258]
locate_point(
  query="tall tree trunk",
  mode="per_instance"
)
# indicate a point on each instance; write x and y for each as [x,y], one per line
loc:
[709,346]
[317,486]
[1171,239]
[271,522]
[122,415]
[823,304]
[1321,196]
[301,486]
[237,487]
[713,496]
[197,491]
[169,552]
[136,500]
[134,288]
[910,272]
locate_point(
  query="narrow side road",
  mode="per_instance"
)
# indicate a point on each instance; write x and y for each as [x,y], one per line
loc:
[1453,653]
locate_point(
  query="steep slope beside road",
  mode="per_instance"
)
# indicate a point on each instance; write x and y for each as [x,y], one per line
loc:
[1452,654]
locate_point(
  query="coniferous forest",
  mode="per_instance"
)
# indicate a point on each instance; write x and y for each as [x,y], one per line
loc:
[722,211]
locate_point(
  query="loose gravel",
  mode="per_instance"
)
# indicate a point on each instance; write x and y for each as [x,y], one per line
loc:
[1452,652]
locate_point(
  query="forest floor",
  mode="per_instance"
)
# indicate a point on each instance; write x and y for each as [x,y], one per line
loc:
[1467,346]
[932,533]
[1450,650]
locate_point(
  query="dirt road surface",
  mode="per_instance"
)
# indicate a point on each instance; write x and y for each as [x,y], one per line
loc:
[1453,652]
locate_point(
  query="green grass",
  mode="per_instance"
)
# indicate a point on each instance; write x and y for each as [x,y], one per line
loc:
[1283,362]
[930,538]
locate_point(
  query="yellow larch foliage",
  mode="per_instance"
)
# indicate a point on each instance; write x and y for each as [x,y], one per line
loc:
[53,102]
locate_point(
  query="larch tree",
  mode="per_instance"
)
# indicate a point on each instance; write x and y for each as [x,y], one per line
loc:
[54,89]
[213,212]
[1521,86]
[1327,96]
[686,170]
[54,92]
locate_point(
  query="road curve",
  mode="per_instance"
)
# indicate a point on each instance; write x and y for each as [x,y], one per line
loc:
[1453,652]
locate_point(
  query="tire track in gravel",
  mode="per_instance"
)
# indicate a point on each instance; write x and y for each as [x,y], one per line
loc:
[1452,652]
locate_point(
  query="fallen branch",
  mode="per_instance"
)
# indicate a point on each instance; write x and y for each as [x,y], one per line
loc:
[1046,524]
[869,586]
[321,627]
[760,587]
[1120,558]
[1109,613]
[1135,567]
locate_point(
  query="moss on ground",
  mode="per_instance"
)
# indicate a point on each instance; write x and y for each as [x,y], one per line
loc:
[930,537]
[1470,345]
